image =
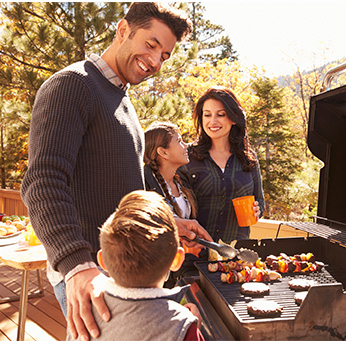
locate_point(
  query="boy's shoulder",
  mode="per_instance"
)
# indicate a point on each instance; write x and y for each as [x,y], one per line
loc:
[160,316]
[143,314]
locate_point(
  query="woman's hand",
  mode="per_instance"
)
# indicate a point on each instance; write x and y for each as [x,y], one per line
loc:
[257,210]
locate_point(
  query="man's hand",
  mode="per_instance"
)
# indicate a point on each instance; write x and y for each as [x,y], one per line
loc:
[82,289]
[190,228]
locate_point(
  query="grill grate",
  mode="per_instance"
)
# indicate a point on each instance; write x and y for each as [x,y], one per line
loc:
[279,292]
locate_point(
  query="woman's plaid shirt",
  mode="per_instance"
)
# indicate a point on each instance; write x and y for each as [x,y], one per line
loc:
[214,191]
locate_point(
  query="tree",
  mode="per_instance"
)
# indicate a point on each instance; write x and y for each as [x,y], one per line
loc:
[303,85]
[38,39]
[13,142]
[43,37]
[151,108]
[211,45]
[276,145]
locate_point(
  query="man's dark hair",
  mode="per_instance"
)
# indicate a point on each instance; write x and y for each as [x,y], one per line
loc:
[140,15]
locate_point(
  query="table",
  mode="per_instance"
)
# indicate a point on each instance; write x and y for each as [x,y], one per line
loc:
[26,258]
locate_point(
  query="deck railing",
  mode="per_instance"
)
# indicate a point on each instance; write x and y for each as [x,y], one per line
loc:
[267,228]
[11,203]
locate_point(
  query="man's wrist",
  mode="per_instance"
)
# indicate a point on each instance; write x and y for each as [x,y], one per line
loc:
[79,268]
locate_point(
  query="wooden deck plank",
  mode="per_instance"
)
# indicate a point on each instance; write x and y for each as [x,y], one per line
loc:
[45,320]
[48,301]
[3,337]
[9,325]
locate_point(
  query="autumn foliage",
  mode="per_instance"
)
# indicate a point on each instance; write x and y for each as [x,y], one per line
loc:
[38,39]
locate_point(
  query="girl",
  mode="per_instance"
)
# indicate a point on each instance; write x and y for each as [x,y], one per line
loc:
[165,152]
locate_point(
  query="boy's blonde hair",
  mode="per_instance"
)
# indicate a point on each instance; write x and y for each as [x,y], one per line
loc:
[139,240]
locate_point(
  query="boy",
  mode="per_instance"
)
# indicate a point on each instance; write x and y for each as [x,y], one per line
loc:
[139,246]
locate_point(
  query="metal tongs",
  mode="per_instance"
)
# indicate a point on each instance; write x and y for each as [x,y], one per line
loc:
[228,251]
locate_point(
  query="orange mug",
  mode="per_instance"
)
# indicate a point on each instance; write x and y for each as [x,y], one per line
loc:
[243,210]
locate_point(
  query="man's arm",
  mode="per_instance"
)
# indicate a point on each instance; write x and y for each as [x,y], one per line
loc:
[56,134]
[59,122]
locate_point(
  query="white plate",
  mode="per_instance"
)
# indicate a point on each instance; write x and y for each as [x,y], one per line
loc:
[11,235]
[11,239]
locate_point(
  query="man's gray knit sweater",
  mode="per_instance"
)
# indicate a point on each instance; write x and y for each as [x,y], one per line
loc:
[85,154]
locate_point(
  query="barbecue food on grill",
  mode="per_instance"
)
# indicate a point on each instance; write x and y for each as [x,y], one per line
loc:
[299,297]
[259,264]
[240,271]
[273,275]
[297,263]
[270,259]
[254,289]
[264,275]
[305,257]
[229,277]
[246,274]
[213,267]
[319,265]
[264,308]
[227,266]
[233,276]
[300,284]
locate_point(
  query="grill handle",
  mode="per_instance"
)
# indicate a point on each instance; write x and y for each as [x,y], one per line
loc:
[330,74]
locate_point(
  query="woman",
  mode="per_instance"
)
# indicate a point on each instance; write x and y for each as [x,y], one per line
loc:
[165,152]
[222,165]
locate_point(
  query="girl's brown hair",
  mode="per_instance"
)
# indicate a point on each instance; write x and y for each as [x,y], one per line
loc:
[238,136]
[140,240]
[160,135]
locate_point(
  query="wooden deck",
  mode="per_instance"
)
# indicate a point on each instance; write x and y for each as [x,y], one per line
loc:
[45,321]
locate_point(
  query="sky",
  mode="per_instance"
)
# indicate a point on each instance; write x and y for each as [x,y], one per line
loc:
[281,35]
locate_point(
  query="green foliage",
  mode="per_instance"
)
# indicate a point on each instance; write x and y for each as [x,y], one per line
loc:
[160,97]
[40,38]
[303,193]
[37,39]
[212,46]
[275,145]
[152,108]
[13,142]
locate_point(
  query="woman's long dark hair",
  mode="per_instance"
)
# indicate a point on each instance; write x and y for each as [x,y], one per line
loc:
[160,135]
[238,136]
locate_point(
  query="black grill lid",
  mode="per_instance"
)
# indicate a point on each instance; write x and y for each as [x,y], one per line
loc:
[327,141]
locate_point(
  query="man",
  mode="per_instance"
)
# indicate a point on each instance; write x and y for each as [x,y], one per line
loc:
[85,154]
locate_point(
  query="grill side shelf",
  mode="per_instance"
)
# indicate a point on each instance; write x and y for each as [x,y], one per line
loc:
[332,234]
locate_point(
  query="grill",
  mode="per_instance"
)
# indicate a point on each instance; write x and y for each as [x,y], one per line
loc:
[322,315]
